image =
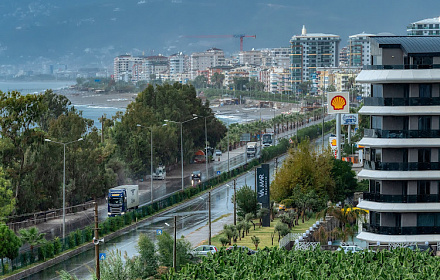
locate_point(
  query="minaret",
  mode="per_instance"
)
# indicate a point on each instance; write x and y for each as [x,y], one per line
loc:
[304,31]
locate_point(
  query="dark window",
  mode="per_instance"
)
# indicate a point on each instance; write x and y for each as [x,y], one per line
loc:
[374,186]
[425,219]
[423,187]
[377,91]
[424,155]
[425,90]
[425,123]
[376,122]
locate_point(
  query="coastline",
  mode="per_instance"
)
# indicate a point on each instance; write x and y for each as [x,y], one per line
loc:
[114,100]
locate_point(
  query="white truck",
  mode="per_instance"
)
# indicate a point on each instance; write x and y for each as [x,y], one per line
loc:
[160,173]
[122,199]
[252,149]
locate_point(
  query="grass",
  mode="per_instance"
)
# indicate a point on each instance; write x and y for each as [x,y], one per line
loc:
[264,233]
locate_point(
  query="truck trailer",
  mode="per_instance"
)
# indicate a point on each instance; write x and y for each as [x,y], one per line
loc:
[122,199]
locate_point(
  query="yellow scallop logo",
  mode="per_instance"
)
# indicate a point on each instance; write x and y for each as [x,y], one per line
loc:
[338,102]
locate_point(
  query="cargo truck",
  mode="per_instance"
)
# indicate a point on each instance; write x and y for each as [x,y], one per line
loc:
[122,199]
[252,149]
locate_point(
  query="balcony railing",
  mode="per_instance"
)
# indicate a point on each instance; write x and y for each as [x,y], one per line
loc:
[410,101]
[388,198]
[404,133]
[401,230]
[401,166]
[401,67]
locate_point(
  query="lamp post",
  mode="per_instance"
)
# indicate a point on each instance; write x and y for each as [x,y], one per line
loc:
[64,180]
[151,159]
[206,145]
[181,142]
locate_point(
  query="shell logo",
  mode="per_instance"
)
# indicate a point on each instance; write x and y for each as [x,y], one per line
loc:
[338,102]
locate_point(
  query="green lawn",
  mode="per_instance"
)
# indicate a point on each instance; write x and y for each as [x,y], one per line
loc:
[264,233]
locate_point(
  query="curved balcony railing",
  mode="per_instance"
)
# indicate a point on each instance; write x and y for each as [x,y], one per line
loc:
[388,198]
[384,133]
[401,230]
[401,166]
[410,101]
[401,67]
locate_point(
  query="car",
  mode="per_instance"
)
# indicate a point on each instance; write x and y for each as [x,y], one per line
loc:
[422,248]
[218,153]
[203,250]
[241,248]
[196,177]
[350,248]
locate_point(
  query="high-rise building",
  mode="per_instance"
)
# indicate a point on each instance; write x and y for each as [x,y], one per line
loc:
[129,68]
[311,50]
[252,57]
[343,57]
[359,50]
[425,27]
[403,141]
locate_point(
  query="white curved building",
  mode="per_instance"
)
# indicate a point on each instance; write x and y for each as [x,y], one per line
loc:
[424,27]
[403,142]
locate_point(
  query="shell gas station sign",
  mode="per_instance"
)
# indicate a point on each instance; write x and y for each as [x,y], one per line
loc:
[338,102]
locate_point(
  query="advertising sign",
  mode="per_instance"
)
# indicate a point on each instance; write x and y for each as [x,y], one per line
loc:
[352,119]
[338,103]
[263,192]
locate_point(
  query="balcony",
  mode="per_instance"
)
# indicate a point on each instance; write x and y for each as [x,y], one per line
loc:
[401,67]
[388,198]
[410,101]
[401,230]
[384,133]
[401,166]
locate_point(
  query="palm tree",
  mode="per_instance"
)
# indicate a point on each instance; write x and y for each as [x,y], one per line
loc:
[32,237]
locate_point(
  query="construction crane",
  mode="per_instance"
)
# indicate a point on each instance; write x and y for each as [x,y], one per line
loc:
[241,36]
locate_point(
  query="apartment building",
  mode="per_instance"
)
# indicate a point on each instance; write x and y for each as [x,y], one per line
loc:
[403,141]
[252,57]
[343,56]
[203,60]
[359,49]
[309,51]
[129,68]
[424,27]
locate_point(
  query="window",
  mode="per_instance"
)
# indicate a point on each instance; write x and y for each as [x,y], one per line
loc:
[425,123]
[376,122]
[425,219]
[424,155]
[425,90]
[423,187]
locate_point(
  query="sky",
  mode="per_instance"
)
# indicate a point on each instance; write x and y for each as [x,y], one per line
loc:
[92,32]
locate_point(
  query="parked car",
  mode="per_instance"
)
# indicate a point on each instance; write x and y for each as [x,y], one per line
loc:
[203,250]
[218,153]
[241,248]
[350,248]
[423,248]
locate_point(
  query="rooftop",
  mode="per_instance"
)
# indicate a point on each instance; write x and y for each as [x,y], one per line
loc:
[435,20]
[410,44]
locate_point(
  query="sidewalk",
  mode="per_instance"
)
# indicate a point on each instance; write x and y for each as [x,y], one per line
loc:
[200,236]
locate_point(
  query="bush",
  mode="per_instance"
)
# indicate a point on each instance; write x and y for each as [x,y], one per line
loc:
[57,246]
[71,240]
[49,249]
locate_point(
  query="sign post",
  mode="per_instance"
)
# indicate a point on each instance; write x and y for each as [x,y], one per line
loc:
[338,103]
[263,192]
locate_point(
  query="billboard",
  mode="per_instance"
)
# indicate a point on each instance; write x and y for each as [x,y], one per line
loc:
[338,102]
[263,192]
[350,119]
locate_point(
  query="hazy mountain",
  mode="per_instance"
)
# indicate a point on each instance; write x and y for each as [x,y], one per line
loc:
[92,32]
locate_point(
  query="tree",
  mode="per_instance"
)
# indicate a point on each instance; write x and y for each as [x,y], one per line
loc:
[113,268]
[217,79]
[282,230]
[147,256]
[7,199]
[165,249]
[262,212]
[345,180]
[246,201]
[9,243]
[331,88]
[32,237]
[304,87]
[200,81]
[255,241]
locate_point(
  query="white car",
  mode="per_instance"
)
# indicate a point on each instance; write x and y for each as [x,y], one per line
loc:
[203,250]
[350,248]
[218,153]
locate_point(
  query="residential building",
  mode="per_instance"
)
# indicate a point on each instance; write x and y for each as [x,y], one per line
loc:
[309,51]
[178,63]
[359,49]
[204,60]
[155,67]
[424,27]
[343,57]
[403,141]
[280,57]
[124,66]
[252,57]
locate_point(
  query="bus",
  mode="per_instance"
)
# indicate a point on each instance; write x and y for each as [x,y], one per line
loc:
[268,139]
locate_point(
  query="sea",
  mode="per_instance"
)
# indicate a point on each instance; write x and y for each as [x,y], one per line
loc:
[90,111]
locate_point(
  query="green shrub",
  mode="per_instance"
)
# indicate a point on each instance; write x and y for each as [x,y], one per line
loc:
[72,240]
[57,246]
[49,249]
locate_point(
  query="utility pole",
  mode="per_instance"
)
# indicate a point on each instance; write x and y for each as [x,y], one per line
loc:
[96,242]
[276,165]
[235,203]
[255,184]
[175,244]
[209,217]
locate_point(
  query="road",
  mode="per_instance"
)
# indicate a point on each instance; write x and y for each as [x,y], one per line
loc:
[192,215]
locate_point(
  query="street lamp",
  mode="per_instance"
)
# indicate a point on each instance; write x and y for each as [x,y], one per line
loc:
[181,142]
[151,160]
[206,145]
[64,181]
